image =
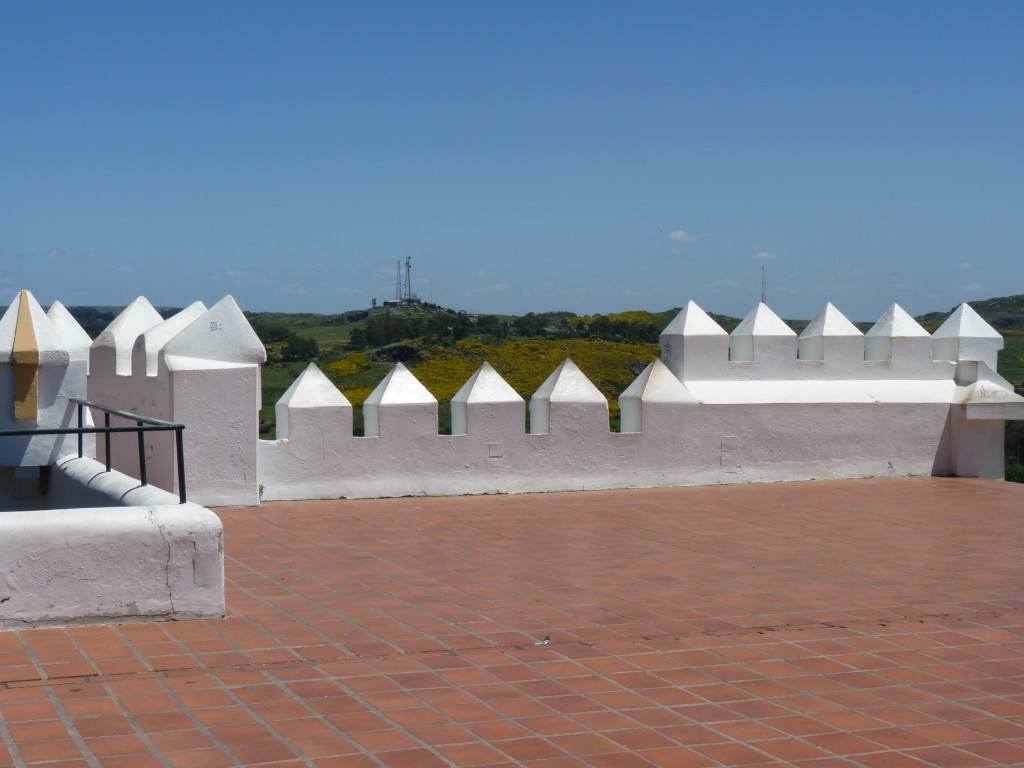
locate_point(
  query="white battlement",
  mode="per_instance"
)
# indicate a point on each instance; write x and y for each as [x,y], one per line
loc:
[759,404]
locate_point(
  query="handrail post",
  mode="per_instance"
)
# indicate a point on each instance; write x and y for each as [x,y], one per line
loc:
[80,433]
[179,446]
[106,423]
[142,455]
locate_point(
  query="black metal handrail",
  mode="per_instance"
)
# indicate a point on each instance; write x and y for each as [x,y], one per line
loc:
[142,424]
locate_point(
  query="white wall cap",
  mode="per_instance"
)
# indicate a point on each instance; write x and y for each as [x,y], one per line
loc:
[568,384]
[52,348]
[75,338]
[693,321]
[186,363]
[153,341]
[400,387]
[762,322]
[966,323]
[823,391]
[312,389]
[135,319]
[487,386]
[657,384]
[220,333]
[830,322]
[897,323]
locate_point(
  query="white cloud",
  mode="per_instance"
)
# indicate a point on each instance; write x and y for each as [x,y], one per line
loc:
[726,284]
[966,265]
[682,236]
[484,273]
[496,288]
[126,269]
[765,256]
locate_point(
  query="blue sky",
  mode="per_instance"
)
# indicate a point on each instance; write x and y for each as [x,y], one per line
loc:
[528,156]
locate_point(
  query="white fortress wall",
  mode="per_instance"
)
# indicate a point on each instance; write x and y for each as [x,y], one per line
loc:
[772,416]
[759,404]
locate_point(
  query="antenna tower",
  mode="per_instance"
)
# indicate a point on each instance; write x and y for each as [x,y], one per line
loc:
[408,279]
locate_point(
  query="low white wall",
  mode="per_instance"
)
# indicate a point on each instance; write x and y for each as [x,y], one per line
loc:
[680,445]
[108,562]
[85,482]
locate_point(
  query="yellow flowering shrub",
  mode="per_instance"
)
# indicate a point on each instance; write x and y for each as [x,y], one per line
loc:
[357,395]
[525,364]
[348,365]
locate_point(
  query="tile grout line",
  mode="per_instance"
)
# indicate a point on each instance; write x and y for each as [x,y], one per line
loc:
[69,724]
[200,725]
[7,739]
[139,730]
[201,668]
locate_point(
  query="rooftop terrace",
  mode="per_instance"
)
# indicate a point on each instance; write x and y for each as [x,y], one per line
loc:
[841,623]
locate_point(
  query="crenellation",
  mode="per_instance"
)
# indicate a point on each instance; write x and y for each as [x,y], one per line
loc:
[568,402]
[112,350]
[898,337]
[149,344]
[651,399]
[832,339]
[966,336]
[762,338]
[400,407]
[313,405]
[75,339]
[487,405]
[694,346]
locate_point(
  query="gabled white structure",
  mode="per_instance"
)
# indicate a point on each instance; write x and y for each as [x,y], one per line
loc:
[75,339]
[764,339]
[36,380]
[212,367]
[831,338]
[113,347]
[488,403]
[312,404]
[652,399]
[148,345]
[898,336]
[568,402]
[966,336]
[694,346]
[400,407]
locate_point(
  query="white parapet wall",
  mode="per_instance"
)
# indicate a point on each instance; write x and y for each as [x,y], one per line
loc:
[758,405]
[108,550]
[110,564]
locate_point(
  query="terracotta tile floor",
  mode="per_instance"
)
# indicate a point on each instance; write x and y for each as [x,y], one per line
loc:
[855,623]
